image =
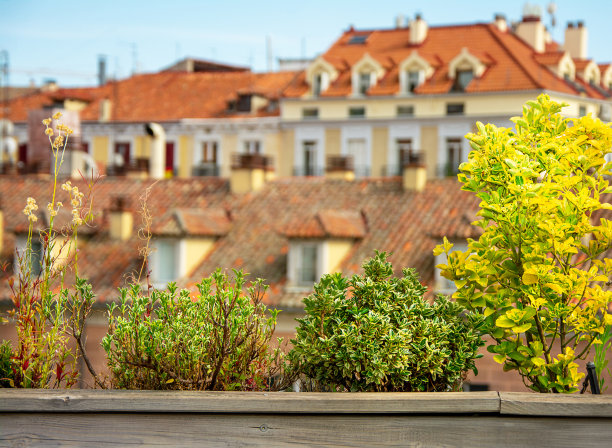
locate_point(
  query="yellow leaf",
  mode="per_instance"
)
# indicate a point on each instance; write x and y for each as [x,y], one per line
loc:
[500,359]
[171,380]
[530,278]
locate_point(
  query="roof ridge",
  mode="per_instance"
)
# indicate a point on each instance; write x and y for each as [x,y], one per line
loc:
[518,61]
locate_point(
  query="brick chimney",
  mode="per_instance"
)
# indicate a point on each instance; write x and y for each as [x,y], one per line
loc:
[414,172]
[418,30]
[121,221]
[576,39]
[249,172]
[533,32]
[340,167]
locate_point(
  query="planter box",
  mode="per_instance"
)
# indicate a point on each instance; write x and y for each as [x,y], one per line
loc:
[275,419]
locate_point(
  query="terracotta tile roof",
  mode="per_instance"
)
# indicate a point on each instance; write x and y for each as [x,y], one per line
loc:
[164,96]
[511,64]
[376,213]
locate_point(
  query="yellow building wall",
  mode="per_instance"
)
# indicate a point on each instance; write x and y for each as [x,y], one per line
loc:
[380,140]
[271,143]
[121,225]
[285,167]
[142,146]
[229,146]
[185,152]
[424,106]
[337,249]
[429,145]
[195,251]
[333,147]
[99,149]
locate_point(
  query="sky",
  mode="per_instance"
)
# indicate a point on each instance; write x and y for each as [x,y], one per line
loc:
[63,40]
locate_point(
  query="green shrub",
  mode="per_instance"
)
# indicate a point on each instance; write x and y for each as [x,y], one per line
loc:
[377,333]
[6,365]
[218,340]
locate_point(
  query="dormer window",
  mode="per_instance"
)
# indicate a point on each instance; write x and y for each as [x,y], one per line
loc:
[320,82]
[462,80]
[365,73]
[412,72]
[244,103]
[413,80]
[319,75]
[463,68]
[365,80]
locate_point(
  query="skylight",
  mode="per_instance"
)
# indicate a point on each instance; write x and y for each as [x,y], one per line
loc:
[358,39]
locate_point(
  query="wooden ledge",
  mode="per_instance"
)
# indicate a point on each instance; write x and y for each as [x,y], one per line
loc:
[500,403]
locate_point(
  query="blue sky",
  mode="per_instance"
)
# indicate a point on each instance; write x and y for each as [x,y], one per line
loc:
[62,39]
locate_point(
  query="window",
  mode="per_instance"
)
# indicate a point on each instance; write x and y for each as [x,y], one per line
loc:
[206,160]
[364,81]
[303,263]
[165,263]
[442,284]
[209,152]
[356,112]
[311,113]
[359,39]
[36,256]
[405,111]
[122,154]
[309,158]
[453,156]
[356,148]
[251,147]
[462,80]
[454,109]
[244,103]
[582,110]
[413,80]
[406,154]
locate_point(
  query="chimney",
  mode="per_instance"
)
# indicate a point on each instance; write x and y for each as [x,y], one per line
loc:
[121,220]
[418,30]
[101,70]
[533,32]
[249,172]
[105,110]
[414,172]
[576,40]
[157,160]
[500,22]
[399,21]
[340,167]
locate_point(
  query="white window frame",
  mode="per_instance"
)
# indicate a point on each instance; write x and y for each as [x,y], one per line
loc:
[295,261]
[159,282]
[20,251]
[442,285]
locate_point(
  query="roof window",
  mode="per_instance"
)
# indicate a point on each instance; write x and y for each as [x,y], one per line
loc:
[358,39]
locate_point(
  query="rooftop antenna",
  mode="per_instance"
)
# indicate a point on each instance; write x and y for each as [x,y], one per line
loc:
[552,9]
[269,59]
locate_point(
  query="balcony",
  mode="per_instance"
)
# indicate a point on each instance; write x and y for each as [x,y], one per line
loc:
[208,169]
[339,163]
[252,162]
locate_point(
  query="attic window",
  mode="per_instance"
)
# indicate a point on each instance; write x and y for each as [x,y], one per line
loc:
[360,39]
[414,78]
[244,103]
[462,80]
[365,80]
[357,112]
[320,82]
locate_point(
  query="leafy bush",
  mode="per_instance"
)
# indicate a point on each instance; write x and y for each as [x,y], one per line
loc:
[6,365]
[536,273]
[218,340]
[376,333]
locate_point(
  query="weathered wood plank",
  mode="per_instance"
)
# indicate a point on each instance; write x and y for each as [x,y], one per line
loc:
[191,430]
[525,403]
[16,400]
